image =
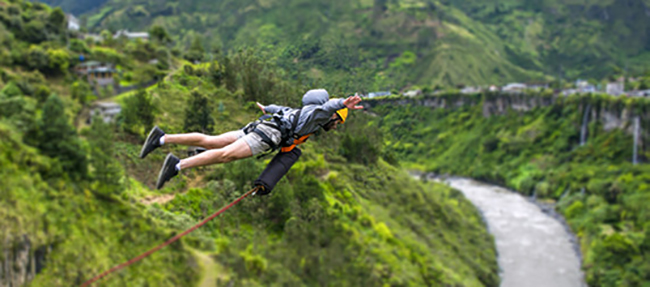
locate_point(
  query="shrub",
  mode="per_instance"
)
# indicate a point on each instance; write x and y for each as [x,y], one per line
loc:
[79,46]
[37,58]
[34,32]
[59,61]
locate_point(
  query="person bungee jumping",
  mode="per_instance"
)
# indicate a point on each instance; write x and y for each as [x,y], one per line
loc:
[281,128]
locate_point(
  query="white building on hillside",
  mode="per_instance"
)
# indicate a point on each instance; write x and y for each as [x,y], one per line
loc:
[514,87]
[378,94]
[470,90]
[107,111]
[131,35]
[73,22]
[412,93]
[585,87]
[615,88]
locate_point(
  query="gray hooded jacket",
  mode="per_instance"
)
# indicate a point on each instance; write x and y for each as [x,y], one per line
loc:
[317,109]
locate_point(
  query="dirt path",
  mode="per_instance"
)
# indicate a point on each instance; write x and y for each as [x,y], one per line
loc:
[164,198]
[161,199]
[209,267]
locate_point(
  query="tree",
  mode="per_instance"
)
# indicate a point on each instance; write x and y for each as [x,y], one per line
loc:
[106,169]
[107,36]
[361,142]
[34,32]
[37,58]
[56,20]
[82,92]
[164,59]
[11,90]
[59,61]
[198,114]
[144,74]
[160,34]
[56,138]
[79,46]
[216,73]
[138,112]
[257,80]
[229,75]
[196,52]
[108,55]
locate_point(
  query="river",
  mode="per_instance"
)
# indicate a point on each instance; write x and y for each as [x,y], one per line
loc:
[534,249]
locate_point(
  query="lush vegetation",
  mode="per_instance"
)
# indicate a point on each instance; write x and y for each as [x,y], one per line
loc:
[382,44]
[602,195]
[76,200]
[346,214]
[343,216]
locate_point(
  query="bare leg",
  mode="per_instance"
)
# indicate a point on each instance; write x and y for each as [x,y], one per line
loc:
[205,141]
[235,151]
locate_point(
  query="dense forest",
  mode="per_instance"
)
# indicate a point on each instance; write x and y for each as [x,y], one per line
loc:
[76,200]
[390,44]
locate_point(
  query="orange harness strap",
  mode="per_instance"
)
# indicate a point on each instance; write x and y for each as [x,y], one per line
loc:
[296,142]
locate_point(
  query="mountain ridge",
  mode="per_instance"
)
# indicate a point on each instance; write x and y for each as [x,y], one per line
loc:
[455,42]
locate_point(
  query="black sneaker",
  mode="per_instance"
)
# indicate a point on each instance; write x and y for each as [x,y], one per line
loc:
[152,142]
[168,170]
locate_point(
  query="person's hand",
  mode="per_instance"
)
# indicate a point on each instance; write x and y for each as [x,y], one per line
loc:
[261,107]
[351,102]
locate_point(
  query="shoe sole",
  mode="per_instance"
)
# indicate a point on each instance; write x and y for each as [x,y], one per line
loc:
[159,185]
[146,142]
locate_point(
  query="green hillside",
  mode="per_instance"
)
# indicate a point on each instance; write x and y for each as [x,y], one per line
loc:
[75,7]
[392,44]
[598,190]
[76,201]
[369,45]
[569,38]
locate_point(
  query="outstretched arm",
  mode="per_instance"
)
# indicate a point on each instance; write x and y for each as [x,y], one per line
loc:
[271,109]
[326,110]
[351,102]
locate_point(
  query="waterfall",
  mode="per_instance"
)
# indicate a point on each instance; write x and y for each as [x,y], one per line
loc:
[585,122]
[637,128]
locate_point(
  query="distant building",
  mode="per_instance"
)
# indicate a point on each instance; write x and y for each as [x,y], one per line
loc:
[585,87]
[107,111]
[378,94]
[470,90]
[568,92]
[131,35]
[641,93]
[615,88]
[73,22]
[98,73]
[536,86]
[95,37]
[412,93]
[514,87]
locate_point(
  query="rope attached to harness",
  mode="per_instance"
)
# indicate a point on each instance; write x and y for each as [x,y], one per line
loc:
[170,241]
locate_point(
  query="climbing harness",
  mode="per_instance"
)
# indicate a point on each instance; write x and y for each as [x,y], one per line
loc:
[170,241]
[296,142]
[289,140]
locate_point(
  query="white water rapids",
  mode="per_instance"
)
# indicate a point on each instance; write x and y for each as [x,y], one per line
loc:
[534,249]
